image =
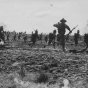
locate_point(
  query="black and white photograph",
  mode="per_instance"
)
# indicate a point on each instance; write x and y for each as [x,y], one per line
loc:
[43,43]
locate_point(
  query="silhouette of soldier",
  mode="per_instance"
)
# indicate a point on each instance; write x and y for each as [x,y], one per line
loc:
[86,39]
[2,33]
[14,37]
[52,37]
[19,36]
[76,37]
[25,38]
[8,35]
[34,37]
[40,37]
[67,37]
[46,38]
[61,31]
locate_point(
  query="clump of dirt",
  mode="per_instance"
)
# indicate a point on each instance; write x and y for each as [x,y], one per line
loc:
[43,78]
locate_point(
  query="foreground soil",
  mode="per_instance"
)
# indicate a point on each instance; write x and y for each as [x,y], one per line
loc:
[56,64]
[53,63]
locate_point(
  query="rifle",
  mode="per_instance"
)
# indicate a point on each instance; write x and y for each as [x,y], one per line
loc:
[72,30]
[70,33]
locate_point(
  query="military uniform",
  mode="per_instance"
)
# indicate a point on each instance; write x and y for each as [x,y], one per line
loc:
[2,33]
[61,32]
[52,37]
[76,37]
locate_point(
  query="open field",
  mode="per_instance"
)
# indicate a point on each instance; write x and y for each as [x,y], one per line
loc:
[54,63]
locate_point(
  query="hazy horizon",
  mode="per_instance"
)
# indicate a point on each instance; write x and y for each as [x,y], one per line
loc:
[27,15]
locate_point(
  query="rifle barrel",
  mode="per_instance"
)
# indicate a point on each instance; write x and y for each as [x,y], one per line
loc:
[72,30]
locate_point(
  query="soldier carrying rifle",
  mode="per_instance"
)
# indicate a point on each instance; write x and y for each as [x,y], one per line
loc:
[61,31]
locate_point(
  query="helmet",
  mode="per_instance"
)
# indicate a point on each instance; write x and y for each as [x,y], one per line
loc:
[63,20]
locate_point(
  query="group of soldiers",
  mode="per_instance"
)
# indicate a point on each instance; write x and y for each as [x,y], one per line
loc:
[51,38]
[61,37]
[11,36]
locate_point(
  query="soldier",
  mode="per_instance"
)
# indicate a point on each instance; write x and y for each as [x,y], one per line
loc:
[19,36]
[2,33]
[76,37]
[52,37]
[25,38]
[14,37]
[61,31]
[40,37]
[86,39]
[8,36]
[34,37]
[46,38]
[67,38]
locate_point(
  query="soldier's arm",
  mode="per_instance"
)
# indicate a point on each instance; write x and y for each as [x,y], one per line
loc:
[68,27]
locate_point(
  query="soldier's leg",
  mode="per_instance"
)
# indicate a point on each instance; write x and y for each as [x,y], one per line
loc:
[54,44]
[58,39]
[33,42]
[76,42]
[63,42]
[49,41]
[46,40]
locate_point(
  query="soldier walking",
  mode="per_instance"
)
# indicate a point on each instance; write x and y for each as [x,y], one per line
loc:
[76,37]
[14,37]
[25,38]
[52,37]
[46,38]
[19,36]
[2,33]
[8,36]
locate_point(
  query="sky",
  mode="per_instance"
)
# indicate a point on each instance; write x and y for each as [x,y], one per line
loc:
[28,15]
